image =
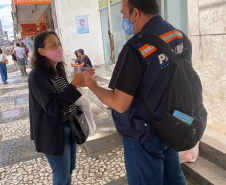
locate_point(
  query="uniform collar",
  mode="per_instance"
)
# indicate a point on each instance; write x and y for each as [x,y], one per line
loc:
[151,23]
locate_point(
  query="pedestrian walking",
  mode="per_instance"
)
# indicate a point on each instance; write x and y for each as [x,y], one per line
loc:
[14,58]
[3,69]
[144,69]
[19,52]
[49,124]
[26,53]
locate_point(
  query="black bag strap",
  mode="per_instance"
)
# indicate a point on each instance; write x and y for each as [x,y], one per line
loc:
[163,47]
[151,116]
[160,44]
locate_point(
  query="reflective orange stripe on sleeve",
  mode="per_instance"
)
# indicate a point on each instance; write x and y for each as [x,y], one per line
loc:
[167,37]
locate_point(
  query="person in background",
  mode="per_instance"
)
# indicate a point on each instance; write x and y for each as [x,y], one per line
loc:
[49,125]
[4,51]
[84,62]
[3,69]
[26,53]
[76,61]
[14,58]
[19,52]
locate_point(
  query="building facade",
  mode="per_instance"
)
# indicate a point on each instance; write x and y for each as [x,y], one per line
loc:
[84,24]
[207,32]
[78,26]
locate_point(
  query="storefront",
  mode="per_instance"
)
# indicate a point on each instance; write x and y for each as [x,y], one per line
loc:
[31,18]
[174,11]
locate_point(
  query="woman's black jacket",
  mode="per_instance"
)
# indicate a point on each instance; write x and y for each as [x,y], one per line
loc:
[45,108]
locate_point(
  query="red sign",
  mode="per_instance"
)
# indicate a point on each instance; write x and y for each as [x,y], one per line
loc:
[31,1]
[42,27]
[29,29]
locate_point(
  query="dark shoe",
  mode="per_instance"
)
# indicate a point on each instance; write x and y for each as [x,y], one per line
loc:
[4,83]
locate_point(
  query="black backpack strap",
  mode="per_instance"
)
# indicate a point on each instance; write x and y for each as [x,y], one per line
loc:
[163,47]
[151,116]
[156,42]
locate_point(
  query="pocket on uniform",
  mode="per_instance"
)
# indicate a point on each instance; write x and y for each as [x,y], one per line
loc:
[140,124]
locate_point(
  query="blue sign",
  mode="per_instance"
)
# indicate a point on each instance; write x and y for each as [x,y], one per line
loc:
[82,24]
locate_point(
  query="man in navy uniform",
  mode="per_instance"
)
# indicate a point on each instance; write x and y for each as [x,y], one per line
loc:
[148,159]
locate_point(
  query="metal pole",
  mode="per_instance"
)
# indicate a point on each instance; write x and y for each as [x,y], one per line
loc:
[109,14]
[110,33]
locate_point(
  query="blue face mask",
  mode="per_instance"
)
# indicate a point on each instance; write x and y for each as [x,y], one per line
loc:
[127,26]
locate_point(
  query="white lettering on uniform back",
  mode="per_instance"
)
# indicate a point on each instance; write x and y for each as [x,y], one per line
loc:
[179,49]
[163,58]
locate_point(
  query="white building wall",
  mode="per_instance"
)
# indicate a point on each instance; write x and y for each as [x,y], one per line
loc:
[207,32]
[91,42]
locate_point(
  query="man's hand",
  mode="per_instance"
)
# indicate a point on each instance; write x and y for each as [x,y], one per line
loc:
[89,80]
[78,80]
[115,99]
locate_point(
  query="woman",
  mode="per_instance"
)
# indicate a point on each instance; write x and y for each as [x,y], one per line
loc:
[3,69]
[76,61]
[14,58]
[84,61]
[26,53]
[49,125]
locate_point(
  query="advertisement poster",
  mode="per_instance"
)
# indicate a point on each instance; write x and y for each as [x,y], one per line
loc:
[82,24]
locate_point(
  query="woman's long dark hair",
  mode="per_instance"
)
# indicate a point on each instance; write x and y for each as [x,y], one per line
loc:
[41,62]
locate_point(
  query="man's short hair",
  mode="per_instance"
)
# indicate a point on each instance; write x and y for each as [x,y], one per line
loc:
[81,51]
[148,7]
[17,44]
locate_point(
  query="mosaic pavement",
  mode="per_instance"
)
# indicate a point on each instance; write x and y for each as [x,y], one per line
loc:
[21,164]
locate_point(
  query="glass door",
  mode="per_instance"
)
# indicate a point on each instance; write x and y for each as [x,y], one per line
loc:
[175,12]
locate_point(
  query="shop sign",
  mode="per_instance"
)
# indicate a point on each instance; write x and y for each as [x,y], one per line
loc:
[42,27]
[29,29]
[32,1]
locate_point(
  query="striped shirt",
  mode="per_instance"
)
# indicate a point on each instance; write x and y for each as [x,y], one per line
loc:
[62,83]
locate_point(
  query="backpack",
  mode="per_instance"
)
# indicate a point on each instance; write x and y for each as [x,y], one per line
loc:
[181,130]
